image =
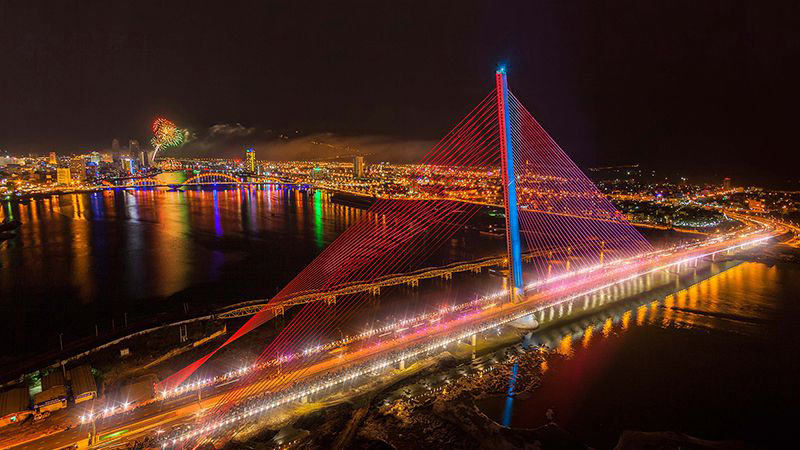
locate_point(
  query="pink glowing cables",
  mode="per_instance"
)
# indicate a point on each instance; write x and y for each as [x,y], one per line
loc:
[564,220]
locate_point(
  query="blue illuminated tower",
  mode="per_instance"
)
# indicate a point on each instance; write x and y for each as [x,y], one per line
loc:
[509,188]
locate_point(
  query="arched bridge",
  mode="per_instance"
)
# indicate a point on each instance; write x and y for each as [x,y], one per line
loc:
[211,178]
[201,179]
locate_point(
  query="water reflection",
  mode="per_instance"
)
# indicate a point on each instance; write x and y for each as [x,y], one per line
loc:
[509,406]
[698,305]
[712,359]
[92,256]
[80,260]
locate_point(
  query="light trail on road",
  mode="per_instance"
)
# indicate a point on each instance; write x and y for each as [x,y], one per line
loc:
[372,360]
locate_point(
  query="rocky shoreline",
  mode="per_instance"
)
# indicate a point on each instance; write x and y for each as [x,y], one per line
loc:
[447,417]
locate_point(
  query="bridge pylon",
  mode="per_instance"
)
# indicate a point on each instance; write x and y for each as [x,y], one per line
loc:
[515,287]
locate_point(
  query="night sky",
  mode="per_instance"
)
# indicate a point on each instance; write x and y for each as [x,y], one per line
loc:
[705,88]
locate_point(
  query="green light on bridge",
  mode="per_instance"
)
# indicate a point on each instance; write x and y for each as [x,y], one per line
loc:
[114,434]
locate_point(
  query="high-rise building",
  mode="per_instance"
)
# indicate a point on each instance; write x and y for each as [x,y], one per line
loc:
[128,165]
[133,147]
[94,157]
[115,145]
[62,175]
[726,183]
[107,158]
[250,159]
[144,158]
[77,169]
[53,159]
[358,167]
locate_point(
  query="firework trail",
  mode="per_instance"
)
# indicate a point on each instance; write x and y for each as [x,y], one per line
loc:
[166,135]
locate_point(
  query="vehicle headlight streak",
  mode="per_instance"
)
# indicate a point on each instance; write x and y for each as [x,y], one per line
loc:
[289,395]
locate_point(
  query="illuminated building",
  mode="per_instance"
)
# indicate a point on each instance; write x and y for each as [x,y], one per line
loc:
[53,158]
[358,167]
[250,159]
[94,157]
[63,175]
[128,165]
[144,158]
[726,183]
[77,168]
[133,146]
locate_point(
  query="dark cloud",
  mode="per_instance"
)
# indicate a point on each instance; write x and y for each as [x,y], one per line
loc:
[228,130]
[230,140]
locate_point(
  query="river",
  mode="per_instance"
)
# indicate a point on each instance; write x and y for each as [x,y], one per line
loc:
[106,258]
[717,360]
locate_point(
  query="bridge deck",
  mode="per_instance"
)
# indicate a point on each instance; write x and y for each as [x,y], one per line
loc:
[254,306]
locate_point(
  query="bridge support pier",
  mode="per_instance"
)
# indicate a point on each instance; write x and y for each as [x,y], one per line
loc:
[184,333]
[474,346]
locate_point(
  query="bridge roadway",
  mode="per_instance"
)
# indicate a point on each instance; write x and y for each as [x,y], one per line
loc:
[251,307]
[543,303]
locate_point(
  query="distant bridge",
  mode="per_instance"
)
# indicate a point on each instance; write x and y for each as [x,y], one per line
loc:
[411,279]
[202,179]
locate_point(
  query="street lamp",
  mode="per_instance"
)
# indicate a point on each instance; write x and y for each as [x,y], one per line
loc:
[93,419]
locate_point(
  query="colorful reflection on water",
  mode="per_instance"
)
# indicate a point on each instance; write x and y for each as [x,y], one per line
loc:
[717,360]
[85,259]
[80,259]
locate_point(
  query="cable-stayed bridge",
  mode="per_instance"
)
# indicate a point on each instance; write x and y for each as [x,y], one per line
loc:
[550,206]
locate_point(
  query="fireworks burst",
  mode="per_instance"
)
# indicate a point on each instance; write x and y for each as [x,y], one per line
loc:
[166,135]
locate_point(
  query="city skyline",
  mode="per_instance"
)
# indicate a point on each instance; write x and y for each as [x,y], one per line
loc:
[658,99]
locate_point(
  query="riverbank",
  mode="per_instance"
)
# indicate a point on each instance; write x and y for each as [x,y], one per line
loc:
[446,417]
